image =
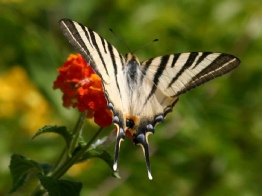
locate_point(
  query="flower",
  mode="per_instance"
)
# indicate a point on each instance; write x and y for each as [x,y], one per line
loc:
[83,89]
[21,101]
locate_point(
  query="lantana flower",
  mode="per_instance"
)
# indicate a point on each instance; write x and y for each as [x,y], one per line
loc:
[82,88]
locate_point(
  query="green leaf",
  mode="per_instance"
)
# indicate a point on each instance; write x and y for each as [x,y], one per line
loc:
[102,154]
[20,167]
[98,153]
[60,187]
[46,167]
[61,130]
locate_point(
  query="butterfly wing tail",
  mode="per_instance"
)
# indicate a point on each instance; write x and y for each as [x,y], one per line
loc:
[119,138]
[141,139]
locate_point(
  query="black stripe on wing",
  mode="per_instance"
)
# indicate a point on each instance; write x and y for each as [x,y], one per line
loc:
[145,68]
[161,68]
[188,63]
[103,43]
[94,42]
[201,58]
[76,32]
[221,65]
[72,34]
[175,58]
[110,48]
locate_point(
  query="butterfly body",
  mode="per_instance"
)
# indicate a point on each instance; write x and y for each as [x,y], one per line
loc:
[141,94]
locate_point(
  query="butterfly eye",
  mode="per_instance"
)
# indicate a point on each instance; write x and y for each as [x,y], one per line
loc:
[130,123]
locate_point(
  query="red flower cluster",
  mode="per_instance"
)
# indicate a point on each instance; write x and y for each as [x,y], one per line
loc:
[83,89]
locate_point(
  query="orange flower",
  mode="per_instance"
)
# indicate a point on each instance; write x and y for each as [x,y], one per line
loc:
[83,89]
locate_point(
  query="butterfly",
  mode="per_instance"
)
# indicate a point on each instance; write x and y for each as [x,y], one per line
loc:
[141,94]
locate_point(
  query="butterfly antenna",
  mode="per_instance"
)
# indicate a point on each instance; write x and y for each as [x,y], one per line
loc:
[121,40]
[155,40]
[119,138]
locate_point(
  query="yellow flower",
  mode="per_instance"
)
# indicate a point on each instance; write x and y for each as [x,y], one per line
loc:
[20,99]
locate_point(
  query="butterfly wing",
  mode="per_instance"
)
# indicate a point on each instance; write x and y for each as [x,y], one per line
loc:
[107,62]
[175,74]
[164,78]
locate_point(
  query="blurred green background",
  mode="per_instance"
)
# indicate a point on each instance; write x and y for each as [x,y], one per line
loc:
[211,144]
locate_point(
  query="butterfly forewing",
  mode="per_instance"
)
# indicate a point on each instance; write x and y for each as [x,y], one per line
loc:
[105,60]
[185,71]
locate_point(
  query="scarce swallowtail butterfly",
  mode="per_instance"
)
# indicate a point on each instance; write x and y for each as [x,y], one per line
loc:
[141,94]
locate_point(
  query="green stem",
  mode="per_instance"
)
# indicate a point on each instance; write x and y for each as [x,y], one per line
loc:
[64,161]
[64,158]
[60,159]
[71,161]
[76,133]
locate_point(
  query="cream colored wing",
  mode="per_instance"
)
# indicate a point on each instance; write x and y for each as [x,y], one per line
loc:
[108,63]
[177,73]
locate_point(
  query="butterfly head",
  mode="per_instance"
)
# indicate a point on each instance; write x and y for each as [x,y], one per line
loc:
[131,57]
